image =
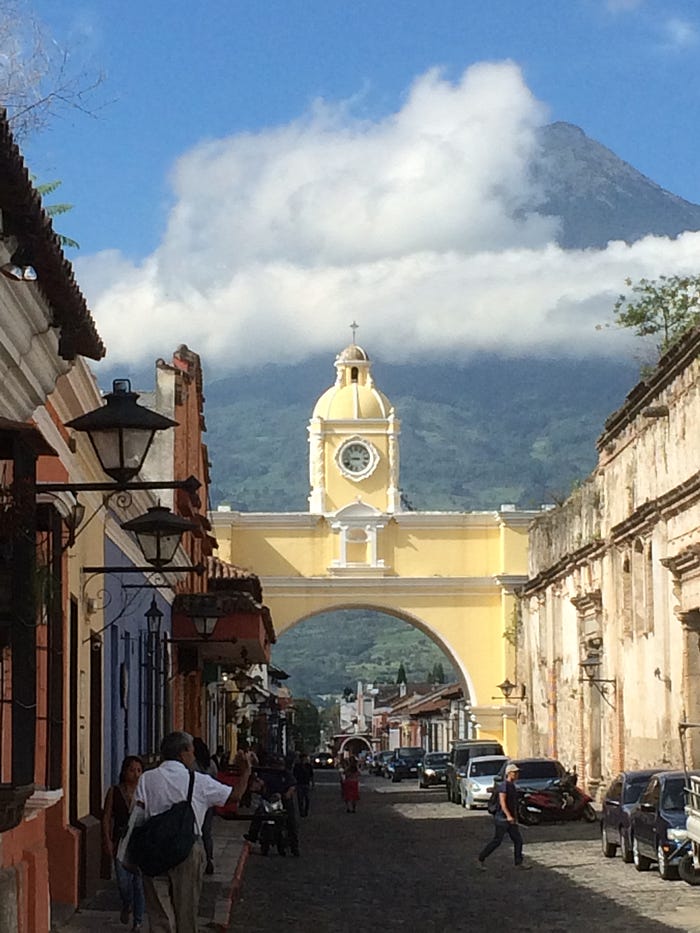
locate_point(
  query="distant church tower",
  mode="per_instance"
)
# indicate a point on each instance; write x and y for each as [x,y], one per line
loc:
[354,443]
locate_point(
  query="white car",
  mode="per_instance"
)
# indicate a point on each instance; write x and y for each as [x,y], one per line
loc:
[477,783]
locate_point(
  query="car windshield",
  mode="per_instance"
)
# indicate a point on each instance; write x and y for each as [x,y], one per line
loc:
[672,797]
[411,752]
[462,755]
[537,769]
[634,788]
[436,758]
[486,768]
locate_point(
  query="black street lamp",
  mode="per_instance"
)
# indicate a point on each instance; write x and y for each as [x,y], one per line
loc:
[154,617]
[121,431]
[205,610]
[158,532]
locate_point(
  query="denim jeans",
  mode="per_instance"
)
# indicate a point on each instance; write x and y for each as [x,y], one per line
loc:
[130,886]
[500,828]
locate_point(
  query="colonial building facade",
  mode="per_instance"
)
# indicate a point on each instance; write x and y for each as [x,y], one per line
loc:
[609,640]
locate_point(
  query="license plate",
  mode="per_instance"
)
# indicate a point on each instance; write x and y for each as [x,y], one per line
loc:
[414,770]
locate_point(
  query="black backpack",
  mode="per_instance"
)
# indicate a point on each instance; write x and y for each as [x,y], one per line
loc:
[165,840]
[494,804]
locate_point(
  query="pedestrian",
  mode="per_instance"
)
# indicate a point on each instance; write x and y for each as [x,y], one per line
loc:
[115,820]
[304,776]
[220,758]
[177,892]
[350,785]
[204,764]
[505,819]
[278,779]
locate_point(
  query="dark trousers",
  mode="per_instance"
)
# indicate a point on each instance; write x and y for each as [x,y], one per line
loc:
[500,828]
[303,799]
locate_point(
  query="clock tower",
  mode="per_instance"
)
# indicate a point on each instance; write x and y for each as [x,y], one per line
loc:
[354,443]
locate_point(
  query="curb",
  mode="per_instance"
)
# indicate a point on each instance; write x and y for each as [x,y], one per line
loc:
[225,905]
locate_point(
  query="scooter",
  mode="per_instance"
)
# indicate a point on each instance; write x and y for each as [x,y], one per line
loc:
[273,829]
[560,800]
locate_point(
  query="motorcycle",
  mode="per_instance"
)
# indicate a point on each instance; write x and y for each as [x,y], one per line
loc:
[273,829]
[560,800]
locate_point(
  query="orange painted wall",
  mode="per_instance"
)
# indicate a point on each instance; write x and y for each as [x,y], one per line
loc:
[24,849]
[64,855]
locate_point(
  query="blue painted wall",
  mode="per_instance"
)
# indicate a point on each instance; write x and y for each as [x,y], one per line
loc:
[126,662]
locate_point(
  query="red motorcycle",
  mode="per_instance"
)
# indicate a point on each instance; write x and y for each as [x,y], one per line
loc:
[560,800]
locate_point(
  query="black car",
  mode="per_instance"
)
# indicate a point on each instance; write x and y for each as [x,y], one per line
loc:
[432,769]
[621,798]
[460,754]
[379,762]
[323,760]
[658,824]
[404,763]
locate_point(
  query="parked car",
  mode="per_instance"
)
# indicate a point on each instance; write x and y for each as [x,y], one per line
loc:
[535,773]
[323,760]
[658,824]
[432,768]
[460,754]
[478,781]
[404,763]
[379,762]
[621,798]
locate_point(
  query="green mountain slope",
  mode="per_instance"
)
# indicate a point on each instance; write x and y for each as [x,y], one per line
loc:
[335,650]
[491,431]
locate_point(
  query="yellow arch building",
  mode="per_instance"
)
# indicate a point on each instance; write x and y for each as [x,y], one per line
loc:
[451,574]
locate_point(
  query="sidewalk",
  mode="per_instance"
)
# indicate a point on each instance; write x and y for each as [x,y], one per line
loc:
[101,912]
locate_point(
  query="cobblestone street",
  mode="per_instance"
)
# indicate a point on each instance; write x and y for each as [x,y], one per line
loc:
[406,859]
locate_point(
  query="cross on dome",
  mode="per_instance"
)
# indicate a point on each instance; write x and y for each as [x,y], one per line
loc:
[353,327]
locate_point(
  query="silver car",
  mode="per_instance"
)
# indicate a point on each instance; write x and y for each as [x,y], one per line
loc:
[477,783]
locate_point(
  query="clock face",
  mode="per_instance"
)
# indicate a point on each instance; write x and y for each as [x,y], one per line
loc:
[356,457]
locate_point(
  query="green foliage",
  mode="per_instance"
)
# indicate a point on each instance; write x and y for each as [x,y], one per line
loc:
[401,674]
[327,652]
[663,308]
[54,210]
[437,675]
[306,727]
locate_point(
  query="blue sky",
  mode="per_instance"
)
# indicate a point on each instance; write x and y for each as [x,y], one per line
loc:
[198,98]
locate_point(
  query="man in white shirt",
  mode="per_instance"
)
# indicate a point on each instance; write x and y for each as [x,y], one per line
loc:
[172,900]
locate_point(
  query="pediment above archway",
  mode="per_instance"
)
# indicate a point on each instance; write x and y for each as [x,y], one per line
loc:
[357,511]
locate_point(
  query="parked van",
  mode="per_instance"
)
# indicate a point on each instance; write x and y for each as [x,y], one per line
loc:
[460,754]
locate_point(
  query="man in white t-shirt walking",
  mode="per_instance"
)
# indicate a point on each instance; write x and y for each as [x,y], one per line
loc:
[172,899]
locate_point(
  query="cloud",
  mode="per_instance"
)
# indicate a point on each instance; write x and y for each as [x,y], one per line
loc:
[422,226]
[680,33]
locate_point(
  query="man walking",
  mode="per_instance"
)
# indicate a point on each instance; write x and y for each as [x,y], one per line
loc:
[172,899]
[505,820]
[304,775]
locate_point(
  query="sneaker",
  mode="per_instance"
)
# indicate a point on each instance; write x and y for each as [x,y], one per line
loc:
[209,870]
[480,865]
[124,915]
[523,866]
